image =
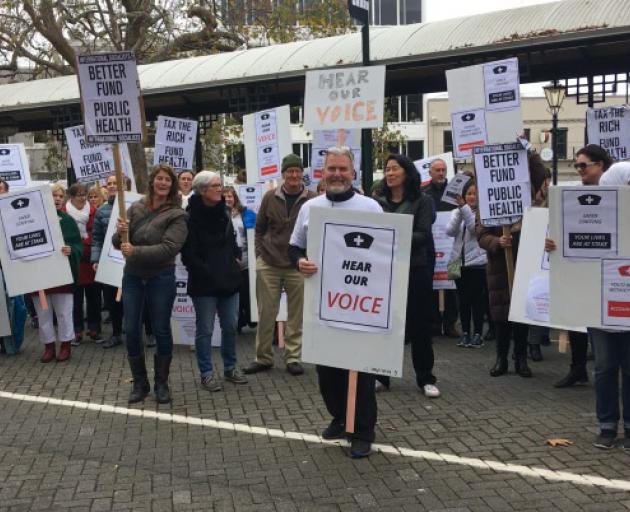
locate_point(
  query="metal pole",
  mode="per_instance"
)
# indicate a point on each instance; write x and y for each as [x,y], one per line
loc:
[367,160]
[554,145]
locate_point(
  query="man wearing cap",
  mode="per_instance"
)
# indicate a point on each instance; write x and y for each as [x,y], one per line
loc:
[274,272]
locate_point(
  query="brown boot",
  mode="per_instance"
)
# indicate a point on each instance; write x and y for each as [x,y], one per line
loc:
[49,353]
[64,352]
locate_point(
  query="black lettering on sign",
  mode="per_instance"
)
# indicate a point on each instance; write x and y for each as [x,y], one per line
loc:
[26,240]
[589,240]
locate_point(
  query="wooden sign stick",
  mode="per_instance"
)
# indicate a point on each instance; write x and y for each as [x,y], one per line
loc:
[509,262]
[280,326]
[120,185]
[43,302]
[441,305]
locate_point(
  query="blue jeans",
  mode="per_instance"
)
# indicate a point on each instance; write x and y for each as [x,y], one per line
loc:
[205,310]
[159,293]
[612,353]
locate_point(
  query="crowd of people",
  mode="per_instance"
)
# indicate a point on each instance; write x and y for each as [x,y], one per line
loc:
[195,216]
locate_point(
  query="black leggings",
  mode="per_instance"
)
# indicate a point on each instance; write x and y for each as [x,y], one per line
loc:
[472,301]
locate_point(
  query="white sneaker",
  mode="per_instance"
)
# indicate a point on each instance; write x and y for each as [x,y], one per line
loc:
[430,391]
[379,386]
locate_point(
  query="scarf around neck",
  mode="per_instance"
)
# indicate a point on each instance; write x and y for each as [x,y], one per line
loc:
[81,216]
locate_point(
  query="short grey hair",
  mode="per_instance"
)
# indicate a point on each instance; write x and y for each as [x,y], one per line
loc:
[202,179]
[340,151]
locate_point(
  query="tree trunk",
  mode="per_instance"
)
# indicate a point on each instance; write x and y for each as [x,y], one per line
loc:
[139,164]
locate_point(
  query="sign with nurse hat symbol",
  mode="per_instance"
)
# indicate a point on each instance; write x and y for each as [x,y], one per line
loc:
[624,270]
[20,202]
[468,117]
[358,239]
[589,199]
[5,151]
[498,70]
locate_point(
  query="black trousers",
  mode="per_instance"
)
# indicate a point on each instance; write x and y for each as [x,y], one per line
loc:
[333,385]
[244,313]
[92,295]
[579,349]
[115,308]
[472,298]
[506,330]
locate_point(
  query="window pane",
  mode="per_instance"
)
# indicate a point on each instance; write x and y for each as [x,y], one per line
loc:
[562,143]
[528,133]
[413,112]
[415,149]
[389,15]
[412,12]
[447,141]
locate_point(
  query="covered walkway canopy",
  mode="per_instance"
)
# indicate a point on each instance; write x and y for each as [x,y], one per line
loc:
[556,40]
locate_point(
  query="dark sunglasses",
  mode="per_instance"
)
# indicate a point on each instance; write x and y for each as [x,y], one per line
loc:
[583,165]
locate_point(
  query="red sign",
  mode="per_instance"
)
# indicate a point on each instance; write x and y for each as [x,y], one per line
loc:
[619,309]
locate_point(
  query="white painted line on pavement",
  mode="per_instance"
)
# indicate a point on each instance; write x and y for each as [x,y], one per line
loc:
[500,467]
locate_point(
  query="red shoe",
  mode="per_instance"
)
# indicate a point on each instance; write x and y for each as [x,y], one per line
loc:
[64,352]
[49,353]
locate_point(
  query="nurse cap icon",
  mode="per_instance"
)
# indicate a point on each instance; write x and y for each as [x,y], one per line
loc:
[589,199]
[468,117]
[20,202]
[358,240]
[5,151]
[497,70]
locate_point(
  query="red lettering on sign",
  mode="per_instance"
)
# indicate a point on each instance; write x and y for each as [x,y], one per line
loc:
[346,301]
[619,309]
[270,169]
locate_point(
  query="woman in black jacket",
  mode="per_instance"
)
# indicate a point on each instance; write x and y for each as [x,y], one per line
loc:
[211,256]
[401,194]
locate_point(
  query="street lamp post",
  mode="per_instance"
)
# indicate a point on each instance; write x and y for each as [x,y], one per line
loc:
[555,96]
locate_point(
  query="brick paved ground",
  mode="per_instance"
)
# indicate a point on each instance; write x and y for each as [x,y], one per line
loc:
[54,457]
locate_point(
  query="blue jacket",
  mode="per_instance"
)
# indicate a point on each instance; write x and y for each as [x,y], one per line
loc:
[101,220]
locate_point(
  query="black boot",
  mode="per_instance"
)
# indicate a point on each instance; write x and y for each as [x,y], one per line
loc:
[535,353]
[501,365]
[162,366]
[520,363]
[141,387]
[576,375]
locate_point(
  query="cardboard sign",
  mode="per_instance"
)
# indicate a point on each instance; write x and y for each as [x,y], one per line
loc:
[110,97]
[454,188]
[484,103]
[5,321]
[251,196]
[91,162]
[356,320]
[31,241]
[589,222]
[576,282]
[443,248]
[267,137]
[344,98]
[616,293]
[609,127]
[423,165]
[14,165]
[324,139]
[502,183]
[112,263]
[175,142]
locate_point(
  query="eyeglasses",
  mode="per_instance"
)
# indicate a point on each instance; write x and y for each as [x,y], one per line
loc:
[581,166]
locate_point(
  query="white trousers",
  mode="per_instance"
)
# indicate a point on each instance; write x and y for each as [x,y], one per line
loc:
[61,305]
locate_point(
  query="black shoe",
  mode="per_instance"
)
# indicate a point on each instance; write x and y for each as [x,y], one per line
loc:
[113,342]
[535,353]
[545,341]
[605,440]
[625,443]
[295,368]
[335,430]
[575,376]
[500,367]
[140,388]
[521,367]
[489,336]
[256,367]
[360,448]
[162,365]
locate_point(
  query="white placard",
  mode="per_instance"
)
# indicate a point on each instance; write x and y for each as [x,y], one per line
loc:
[324,139]
[112,263]
[469,130]
[609,127]
[110,97]
[423,165]
[14,165]
[616,292]
[344,98]
[91,162]
[5,321]
[443,248]
[589,222]
[503,185]
[175,140]
[30,250]
[378,351]
[267,138]
[454,188]
[183,307]
[532,272]
[251,196]
[501,84]
[575,283]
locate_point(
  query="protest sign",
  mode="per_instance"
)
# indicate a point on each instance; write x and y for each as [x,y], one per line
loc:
[112,262]
[267,138]
[589,222]
[30,250]
[454,188]
[324,139]
[616,292]
[14,165]
[423,165]
[443,248]
[503,185]
[354,306]
[91,161]
[530,301]
[484,103]
[175,142]
[251,196]
[577,284]
[110,97]
[5,321]
[609,127]
[344,98]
